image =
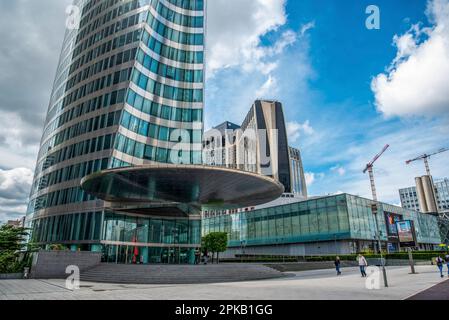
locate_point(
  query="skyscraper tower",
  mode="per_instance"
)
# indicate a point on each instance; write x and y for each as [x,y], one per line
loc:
[128,91]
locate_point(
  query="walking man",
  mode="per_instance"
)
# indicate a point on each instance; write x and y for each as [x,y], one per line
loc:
[337,263]
[439,262]
[362,265]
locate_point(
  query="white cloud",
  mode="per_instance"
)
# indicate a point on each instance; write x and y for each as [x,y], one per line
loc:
[306,27]
[234,31]
[310,178]
[15,183]
[269,87]
[339,170]
[417,81]
[295,129]
[15,186]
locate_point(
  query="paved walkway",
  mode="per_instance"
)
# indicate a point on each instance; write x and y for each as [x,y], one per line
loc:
[438,292]
[307,285]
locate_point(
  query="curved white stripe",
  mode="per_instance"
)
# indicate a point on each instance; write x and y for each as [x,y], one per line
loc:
[167,81]
[174,26]
[167,102]
[167,42]
[163,122]
[158,143]
[186,12]
[171,63]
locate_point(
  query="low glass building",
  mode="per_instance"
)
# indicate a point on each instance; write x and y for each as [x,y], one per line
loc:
[336,224]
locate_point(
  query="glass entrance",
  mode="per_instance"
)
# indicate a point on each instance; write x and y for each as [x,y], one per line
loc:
[126,254]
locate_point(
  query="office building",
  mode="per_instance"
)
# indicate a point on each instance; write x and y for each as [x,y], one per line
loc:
[128,91]
[411,199]
[259,145]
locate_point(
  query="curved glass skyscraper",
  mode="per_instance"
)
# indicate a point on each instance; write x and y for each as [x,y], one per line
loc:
[128,91]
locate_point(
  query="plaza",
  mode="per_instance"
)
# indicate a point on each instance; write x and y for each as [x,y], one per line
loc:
[305,285]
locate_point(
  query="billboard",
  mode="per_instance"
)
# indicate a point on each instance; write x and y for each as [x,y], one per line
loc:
[406,233]
[391,219]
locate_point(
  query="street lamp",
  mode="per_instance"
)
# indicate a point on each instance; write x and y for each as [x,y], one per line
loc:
[382,262]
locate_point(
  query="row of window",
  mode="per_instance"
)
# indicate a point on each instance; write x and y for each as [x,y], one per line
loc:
[162,111]
[162,155]
[77,226]
[194,5]
[88,106]
[84,147]
[61,197]
[87,126]
[166,91]
[100,66]
[150,230]
[108,31]
[91,105]
[171,53]
[107,47]
[177,18]
[84,30]
[167,71]
[160,133]
[76,150]
[76,171]
[97,7]
[175,35]
[96,85]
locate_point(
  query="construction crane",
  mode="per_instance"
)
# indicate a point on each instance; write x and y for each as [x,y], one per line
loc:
[425,157]
[369,168]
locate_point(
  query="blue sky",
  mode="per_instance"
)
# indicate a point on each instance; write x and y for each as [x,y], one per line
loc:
[324,79]
[346,90]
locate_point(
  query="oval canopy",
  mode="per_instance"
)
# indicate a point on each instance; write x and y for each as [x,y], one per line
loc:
[206,186]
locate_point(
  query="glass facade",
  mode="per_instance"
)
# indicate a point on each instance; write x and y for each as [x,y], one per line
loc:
[128,90]
[340,217]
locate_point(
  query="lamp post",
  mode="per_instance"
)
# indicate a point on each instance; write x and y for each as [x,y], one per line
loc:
[382,263]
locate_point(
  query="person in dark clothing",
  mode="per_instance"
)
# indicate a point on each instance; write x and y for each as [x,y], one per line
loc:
[440,262]
[337,263]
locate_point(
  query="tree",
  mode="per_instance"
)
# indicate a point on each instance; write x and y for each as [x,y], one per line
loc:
[12,240]
[216,242]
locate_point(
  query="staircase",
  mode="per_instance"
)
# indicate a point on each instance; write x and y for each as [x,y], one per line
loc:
[178,274]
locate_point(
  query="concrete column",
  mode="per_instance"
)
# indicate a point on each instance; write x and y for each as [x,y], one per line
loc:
[429,193]
[421,197]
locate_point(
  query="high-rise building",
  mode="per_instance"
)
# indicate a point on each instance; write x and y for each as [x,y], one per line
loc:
[411,199]
[298,178]
[259,145]
[128,91]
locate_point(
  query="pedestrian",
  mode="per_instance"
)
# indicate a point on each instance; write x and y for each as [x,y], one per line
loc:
[439,262]
[362,264]
[447,263]
[337,263]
